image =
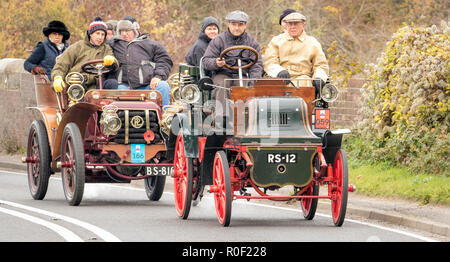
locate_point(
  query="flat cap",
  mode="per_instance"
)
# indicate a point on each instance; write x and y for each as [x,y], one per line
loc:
[237,16]
[295,17]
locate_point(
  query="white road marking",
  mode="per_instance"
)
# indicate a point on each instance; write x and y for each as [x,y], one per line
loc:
[353,221]
[63,232]
[245,202]
[105,235]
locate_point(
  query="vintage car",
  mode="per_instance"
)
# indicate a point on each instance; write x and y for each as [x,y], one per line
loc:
[279,136]
[98,136]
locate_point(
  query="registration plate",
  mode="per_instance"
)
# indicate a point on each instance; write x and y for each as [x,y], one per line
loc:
[322,119]
[159,170]
[137,153]
[288,158]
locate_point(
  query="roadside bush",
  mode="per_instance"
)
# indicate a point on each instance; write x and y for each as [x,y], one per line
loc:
[405,113]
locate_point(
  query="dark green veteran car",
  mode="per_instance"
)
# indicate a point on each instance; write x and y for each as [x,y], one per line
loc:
[271,134]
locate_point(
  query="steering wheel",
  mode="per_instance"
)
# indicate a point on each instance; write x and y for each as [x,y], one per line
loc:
[96,67]
[231,61]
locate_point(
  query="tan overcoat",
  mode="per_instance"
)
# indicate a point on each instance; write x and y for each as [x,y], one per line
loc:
[301,57]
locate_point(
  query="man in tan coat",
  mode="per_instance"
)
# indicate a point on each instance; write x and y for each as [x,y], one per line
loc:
[294,54]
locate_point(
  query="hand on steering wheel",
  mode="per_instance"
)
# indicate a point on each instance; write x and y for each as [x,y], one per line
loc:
[248,59]
[97,67]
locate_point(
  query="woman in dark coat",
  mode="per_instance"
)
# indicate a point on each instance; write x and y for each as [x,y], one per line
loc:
[210,29]
[43,58]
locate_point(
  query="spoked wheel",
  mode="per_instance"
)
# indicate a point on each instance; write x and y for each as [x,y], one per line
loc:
[222,188]
[154,187]
[309,205]
[72,164]
[182,179]
[38,152]
[339,188]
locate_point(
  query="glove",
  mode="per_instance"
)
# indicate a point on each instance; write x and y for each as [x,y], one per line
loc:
[37,70]
[58,84]
[108,60]
[284,74]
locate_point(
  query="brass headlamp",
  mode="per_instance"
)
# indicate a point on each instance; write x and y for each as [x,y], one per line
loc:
[110,121]
[329,93]
[190,94]
[75,91]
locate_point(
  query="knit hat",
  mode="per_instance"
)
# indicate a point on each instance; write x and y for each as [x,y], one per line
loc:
[207,21]
[128,23]
[112,25]
[56,27]
[285,13]
[96,25]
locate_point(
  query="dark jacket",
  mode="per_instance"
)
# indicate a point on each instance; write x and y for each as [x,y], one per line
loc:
[198,49]
[222,42]
[44,55]
[140,60]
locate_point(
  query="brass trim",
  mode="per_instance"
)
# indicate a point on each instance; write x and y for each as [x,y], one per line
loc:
[147,121]
[127,126]
[137,121]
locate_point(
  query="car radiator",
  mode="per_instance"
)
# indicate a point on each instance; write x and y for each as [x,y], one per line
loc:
[135,123]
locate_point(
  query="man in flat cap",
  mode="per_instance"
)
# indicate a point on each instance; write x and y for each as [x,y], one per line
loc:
[294,54]
[234,36]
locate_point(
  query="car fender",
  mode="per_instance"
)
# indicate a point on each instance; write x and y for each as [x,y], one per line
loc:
[78,114]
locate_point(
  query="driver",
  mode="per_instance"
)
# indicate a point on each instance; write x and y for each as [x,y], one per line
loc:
[294,54]
[93,47]
[234,36]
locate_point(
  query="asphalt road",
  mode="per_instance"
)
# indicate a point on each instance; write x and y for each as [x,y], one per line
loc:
[122,213]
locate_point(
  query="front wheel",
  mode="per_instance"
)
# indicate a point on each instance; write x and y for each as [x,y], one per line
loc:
[154,187]
[222,188]
[339,188]
[309,205]
[38,151]
[72,164]
[182,179]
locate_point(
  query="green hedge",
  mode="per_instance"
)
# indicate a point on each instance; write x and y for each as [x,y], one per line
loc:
[405,113]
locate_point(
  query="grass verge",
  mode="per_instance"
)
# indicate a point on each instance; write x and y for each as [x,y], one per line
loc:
[387,181]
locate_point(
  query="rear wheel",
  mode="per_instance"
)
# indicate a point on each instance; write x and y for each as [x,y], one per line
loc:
[73,164]
[182,179]
[38,152]
[339,188]
[222,188]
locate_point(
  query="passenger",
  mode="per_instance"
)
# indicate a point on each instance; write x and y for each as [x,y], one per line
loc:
[93,47]
[283,15]
[210,29]
[43,58]
[112,29]
[234,36]
[144,63]
[294,54]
